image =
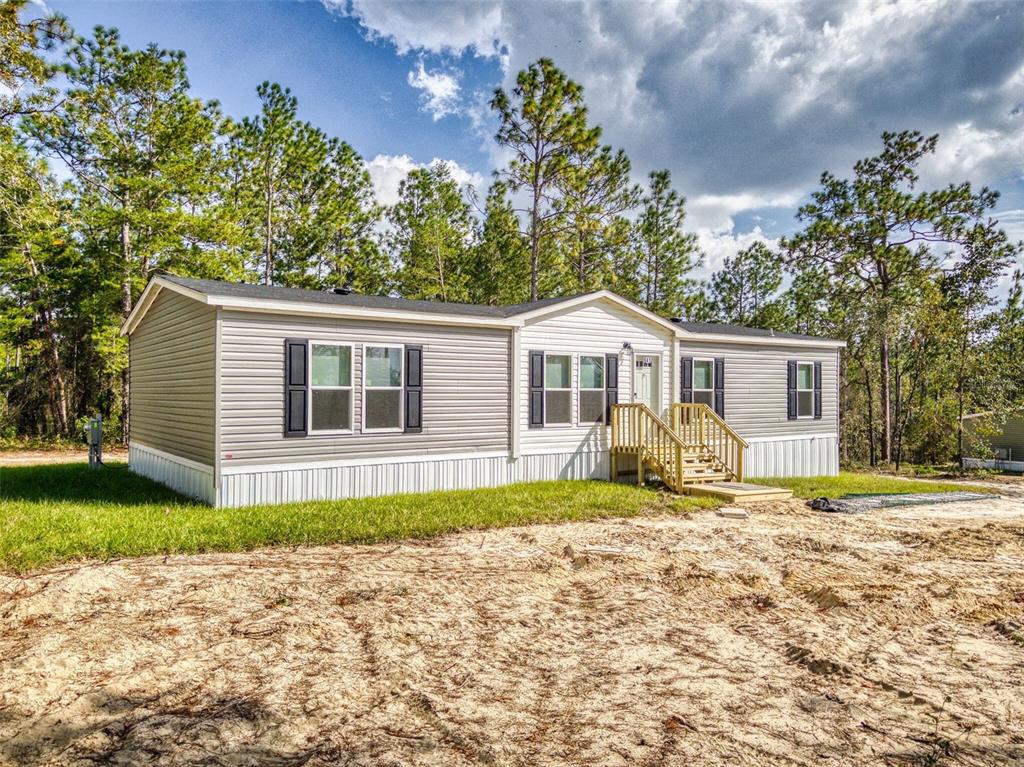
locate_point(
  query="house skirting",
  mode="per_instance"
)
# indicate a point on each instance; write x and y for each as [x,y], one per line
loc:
[362,478]
[993,463]
[810,456]
[285,483]
[196,480]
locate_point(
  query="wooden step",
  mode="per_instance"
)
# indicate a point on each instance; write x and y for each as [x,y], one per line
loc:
[702,468]
[689,479]
[739,492]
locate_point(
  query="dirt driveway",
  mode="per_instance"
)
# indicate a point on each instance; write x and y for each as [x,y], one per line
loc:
[790,638]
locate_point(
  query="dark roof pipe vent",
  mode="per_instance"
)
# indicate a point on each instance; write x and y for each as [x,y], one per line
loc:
[676,320]
[341,291]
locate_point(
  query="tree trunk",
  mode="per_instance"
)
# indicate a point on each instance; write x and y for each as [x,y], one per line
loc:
[898,435]
[440,270]
[960,396]
[58,387]
[534,243]
[268,235]
[884,399]
[871,419]
[126,309]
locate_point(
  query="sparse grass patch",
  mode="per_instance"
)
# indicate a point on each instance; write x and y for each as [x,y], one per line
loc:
[59,512]
[849,483]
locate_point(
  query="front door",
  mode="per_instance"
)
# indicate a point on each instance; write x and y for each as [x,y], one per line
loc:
[645,380]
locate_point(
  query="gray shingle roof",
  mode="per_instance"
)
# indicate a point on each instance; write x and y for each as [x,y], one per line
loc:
[274,292]
[725,329]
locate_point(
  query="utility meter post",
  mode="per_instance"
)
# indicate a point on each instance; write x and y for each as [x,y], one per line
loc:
[94,437]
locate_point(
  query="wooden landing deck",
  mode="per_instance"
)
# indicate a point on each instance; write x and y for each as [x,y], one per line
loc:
[739,492]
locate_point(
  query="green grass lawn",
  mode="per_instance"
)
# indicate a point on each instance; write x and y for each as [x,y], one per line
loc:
[850,482]
[61,512]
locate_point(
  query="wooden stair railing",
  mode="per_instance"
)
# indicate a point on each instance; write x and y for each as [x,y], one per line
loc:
[637,430]
[700,427]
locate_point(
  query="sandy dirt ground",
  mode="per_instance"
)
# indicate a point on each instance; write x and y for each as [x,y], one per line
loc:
[35,457]
[790,638]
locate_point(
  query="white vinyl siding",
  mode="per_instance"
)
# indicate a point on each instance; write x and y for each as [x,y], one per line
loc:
[592,329]
[172,369]
[755,387]
[465,389]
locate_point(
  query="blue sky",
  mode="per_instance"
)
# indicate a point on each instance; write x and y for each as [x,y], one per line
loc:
[746,103]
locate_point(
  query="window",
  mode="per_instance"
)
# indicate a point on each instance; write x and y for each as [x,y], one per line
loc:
[330,379]
[382,388]
[704,382]
[591,390]
[557,389]
[805,390]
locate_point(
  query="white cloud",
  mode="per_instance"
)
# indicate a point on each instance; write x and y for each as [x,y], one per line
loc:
[719,245]
[746,96]
[441,26]
[714,212]
[388,171]
[439,91]
[747,102]
[969,153]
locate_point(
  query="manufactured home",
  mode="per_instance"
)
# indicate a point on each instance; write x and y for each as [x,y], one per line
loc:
[246,394]
[994,442]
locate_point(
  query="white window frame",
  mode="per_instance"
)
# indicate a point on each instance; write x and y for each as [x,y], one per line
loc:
[798,390]
[693,376]
[560,424]
[603,389]
[401,388]
[351,387]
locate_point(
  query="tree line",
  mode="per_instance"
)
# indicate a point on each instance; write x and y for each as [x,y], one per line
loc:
[112,171]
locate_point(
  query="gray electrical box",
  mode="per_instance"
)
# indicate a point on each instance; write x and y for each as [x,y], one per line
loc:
[94,438]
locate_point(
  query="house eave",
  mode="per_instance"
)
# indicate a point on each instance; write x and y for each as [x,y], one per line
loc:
[819,343]
[306,308]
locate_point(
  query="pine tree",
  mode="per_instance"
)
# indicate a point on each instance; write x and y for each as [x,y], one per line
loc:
[742,292]
[136,144]
[595,196]
[872,239]
[666,255]
[542,123]
[500,268]
[24,72]
[266,155]
[431,236]
[307,199]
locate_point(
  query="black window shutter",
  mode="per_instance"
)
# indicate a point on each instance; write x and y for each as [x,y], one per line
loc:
[536,390]
[686,379]
[296,388]
[720,386]
[611,385]
[791,390]
[413,389]
[817,390]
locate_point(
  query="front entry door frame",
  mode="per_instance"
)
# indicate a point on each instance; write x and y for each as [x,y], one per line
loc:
[653,374]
